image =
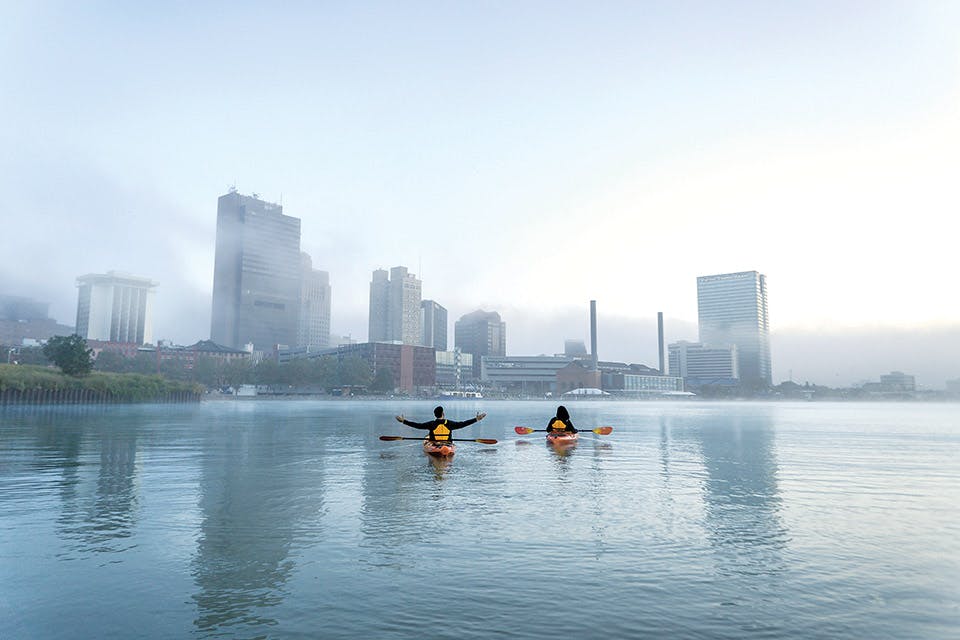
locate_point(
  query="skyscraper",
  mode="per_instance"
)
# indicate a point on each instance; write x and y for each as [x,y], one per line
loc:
[314,329]
[379,306]
[732,310]
[256,276]
[115,307]
[481,333]
[433,322]
[394,307]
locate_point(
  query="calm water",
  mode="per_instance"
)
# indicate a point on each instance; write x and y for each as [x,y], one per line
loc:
[292,520]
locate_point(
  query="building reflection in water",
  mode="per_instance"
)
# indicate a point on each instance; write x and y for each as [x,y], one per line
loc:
[94,517]
[416,499]
[261,495]
[742,501]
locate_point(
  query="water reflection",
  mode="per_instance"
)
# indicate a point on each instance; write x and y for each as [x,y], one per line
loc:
[95,517]
[741,495]
[260,494]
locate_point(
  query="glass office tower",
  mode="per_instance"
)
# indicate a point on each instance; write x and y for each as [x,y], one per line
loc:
[732,310]
[256,274]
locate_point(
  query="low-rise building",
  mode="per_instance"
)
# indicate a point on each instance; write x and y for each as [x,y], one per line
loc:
[454,369]
[524,375]
[700,364]
[414,367]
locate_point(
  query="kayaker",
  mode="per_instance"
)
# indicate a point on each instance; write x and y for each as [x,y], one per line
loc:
[561,422]
[440,427]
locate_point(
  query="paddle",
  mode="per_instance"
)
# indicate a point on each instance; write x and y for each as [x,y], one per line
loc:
[480,440]
[603,431]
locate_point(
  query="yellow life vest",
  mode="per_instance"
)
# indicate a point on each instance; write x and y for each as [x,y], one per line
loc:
[558,425]
[441,432]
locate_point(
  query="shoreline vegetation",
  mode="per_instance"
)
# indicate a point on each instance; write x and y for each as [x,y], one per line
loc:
[35,384]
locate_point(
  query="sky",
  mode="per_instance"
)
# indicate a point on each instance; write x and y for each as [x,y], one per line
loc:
[519,157]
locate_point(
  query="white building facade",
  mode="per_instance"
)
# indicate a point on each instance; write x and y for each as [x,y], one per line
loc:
[395,307]
[315,293]
[115,307]
[695,360]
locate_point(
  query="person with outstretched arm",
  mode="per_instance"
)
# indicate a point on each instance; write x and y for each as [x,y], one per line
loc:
[440,428]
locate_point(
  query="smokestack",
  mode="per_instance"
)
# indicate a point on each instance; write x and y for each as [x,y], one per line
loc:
[663,371]
[593,335]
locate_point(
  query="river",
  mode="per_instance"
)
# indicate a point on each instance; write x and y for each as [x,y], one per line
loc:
[273,519]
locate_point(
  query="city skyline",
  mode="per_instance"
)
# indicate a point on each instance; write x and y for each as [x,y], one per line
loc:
[492,151]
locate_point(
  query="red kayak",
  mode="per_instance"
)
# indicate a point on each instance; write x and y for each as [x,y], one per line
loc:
[439,449]
[562,439]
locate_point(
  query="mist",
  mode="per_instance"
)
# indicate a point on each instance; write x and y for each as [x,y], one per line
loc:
[513,164]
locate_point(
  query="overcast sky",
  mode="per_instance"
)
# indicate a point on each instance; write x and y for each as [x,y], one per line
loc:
[523,157]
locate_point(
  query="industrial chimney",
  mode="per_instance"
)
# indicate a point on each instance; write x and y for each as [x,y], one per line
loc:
[593,335]
[663,371]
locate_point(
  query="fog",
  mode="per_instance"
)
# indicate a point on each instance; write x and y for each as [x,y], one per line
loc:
[523,159]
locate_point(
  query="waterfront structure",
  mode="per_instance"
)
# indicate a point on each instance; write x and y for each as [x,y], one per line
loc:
[256,277]
[703,364]
[433,323]
[482,334]
[115,307]
[523,375]
[454,369]
[579,374]
[394,307]
[898,381]
[413,367]
[732,310]
[314,327]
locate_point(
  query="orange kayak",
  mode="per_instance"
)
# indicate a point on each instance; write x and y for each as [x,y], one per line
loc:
[562,438]
[439,449]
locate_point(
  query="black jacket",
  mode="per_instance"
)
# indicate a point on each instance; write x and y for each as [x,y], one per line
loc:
[433,424]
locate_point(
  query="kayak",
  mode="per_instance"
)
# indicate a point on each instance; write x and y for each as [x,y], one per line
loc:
[439,449]
[561,439]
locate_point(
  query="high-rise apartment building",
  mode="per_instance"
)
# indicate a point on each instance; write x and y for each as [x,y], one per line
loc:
[115,307]
[394,307]
[732,310]
[256,277]
[481,333]
[314,332]
[433,323]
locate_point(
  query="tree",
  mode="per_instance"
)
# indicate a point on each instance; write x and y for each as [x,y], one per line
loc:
[382,381]
[354,372]
[110,361]
[237,372]
[70,353]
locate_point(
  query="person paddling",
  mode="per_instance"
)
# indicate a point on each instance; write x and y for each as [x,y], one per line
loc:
[440,427]
[561,422]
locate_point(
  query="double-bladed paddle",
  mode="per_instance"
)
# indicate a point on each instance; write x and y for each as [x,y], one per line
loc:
[603,431]
[480,440]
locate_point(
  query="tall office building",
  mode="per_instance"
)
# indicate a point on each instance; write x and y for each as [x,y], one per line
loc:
[481,333]
[732,310]
[314,329]
[394,307]
[379,306]
[256,277]
[433,323]
[115,307]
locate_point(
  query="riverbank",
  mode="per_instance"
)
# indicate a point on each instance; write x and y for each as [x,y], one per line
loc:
[34,385]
